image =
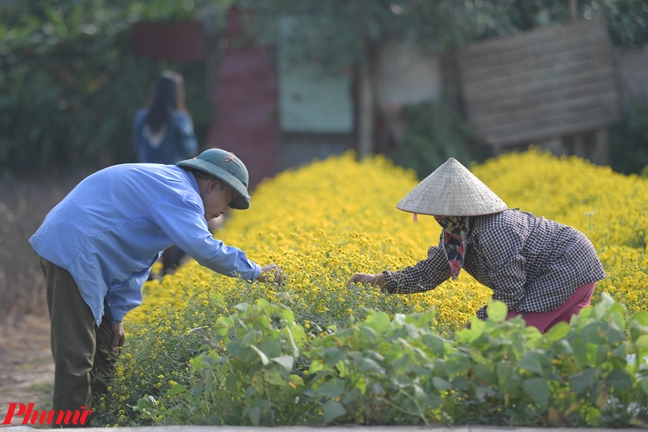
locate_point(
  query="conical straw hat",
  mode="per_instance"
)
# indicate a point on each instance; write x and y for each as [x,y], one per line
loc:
[452,190]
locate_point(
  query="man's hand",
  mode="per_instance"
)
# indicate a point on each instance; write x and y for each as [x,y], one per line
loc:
[367,279]
[118,336]
[271,272]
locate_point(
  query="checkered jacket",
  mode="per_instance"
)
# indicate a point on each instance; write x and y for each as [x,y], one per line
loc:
[532,264]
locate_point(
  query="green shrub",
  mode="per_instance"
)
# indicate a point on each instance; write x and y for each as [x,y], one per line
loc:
[629,142]
[435,131]
[260,367]
[70,85]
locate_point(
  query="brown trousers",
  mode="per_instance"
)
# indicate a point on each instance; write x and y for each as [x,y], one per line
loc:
[79,347]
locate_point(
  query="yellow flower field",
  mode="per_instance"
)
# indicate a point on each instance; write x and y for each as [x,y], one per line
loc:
[322,223]
[326,221]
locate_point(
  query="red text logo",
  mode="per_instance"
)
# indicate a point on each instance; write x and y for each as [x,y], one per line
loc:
[50,417]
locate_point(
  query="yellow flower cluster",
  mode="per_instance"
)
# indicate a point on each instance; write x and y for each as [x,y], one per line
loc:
[324,222]
[321,224]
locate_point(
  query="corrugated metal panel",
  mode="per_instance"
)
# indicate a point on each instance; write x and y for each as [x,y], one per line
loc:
[540,84]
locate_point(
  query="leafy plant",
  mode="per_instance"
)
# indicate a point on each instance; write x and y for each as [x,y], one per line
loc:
[435,131]
[318,246]
[70,85]
[628,140]
[591,372]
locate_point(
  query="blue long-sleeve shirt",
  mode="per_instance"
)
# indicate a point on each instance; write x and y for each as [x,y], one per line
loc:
[111,228]
[175,142]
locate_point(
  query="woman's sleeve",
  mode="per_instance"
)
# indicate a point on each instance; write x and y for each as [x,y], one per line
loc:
[188,142]
[422,276]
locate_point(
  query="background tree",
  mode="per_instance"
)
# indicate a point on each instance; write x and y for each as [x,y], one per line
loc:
[348,34]
[70,84]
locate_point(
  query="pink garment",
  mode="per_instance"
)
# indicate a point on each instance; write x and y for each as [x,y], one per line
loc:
[543,321]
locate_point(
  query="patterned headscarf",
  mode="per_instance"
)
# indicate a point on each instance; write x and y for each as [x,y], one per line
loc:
[455,232]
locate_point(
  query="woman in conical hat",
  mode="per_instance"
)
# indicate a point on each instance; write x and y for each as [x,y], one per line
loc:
[542,270]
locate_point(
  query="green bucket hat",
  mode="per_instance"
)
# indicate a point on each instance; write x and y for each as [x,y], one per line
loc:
[227,167]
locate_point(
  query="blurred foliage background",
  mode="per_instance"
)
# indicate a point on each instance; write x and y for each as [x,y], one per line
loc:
[70,85]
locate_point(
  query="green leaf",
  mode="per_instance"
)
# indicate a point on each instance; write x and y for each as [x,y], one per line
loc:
[591,333]
[333,410]
[315,366]
[458,364]
[441,384]
[485,373]
[209,380]
[557,332]
[270,346]
[460,383]
[643,384]
[250,338]
[342,368]
[538,390]
[262,356]
[196,364]
[619,352]
[420,396]
[242,307]
[496,311]
[620,380]
[377,321]
[176,390]
[234,348]
[361,384]
[231,384]
[531,362]
[640,318]
[367,364]
[273,376]
[369,332]
[583,381]
[332,355]
[434,343]
[286,361]
[222,326]
[642,341]
[287,316]
[254,412]
[331,388]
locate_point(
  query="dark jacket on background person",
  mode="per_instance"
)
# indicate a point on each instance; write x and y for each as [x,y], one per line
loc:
[172,143]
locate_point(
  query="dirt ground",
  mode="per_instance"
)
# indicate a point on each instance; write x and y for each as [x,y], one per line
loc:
[26,366]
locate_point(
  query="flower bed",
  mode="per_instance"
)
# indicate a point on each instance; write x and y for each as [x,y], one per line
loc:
[321,224]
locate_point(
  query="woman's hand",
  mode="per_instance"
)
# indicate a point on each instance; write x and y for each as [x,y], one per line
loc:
[367,279]
[271,270]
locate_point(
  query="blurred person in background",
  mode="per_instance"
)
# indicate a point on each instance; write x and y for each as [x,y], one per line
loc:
[542,270]
[97,246]
[163,133]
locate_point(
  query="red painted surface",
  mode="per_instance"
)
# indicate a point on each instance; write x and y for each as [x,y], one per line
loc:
[172,42]
[246,105]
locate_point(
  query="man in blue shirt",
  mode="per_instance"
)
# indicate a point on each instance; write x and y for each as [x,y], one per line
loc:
[97,246]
